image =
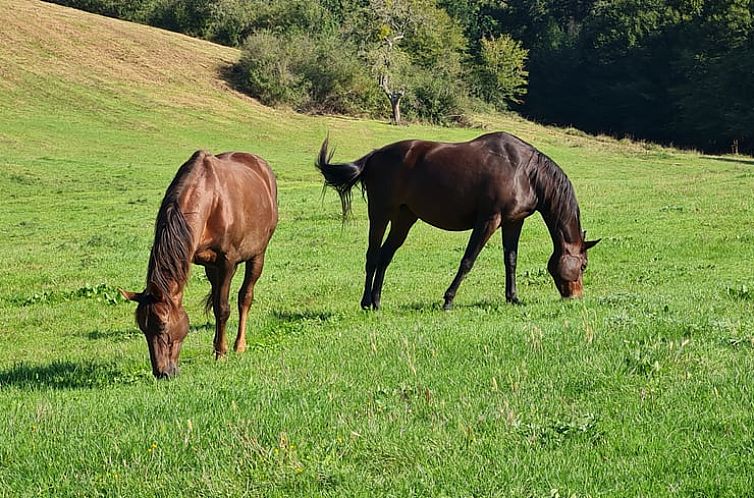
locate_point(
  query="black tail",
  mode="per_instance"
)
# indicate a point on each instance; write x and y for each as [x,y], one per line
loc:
[341,177]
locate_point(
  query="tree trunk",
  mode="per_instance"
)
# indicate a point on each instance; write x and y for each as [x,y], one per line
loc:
[395,105]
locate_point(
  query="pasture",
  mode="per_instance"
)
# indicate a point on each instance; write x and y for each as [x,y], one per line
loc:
[642,388]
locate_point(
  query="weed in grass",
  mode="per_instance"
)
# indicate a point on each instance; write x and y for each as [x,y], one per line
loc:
[103,293]
[737,342]
[740,292]
[649,357]
[557,432]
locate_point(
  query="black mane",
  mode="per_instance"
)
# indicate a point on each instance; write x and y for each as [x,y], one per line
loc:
[556,199]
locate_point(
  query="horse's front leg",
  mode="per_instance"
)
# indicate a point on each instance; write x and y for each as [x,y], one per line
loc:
[220,306]
[479,237]
[377,226]
[511,234]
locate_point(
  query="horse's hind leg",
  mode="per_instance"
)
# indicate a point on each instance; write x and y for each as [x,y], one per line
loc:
[220,306]
[246,297]
[479,237]
[377,226]
[399,227]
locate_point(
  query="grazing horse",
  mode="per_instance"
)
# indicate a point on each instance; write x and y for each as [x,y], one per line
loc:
[493,181]
[218,212]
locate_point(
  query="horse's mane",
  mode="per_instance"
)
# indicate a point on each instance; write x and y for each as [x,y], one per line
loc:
[170,259]
[556,197]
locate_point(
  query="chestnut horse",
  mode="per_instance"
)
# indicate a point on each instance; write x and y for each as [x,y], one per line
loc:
[493,181]
[218,212]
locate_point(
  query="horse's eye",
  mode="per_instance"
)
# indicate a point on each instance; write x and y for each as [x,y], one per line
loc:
[583,267]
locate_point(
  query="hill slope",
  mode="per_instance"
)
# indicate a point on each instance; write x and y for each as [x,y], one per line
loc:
[643,388]
[61,65]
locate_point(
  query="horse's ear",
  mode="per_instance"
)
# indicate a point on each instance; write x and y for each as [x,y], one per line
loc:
[588,244]
[136,297]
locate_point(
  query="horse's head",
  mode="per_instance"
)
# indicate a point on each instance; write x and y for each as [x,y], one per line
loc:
[165,326]
[567,265]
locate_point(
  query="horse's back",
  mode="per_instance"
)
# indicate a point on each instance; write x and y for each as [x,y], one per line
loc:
[242,206]
[249,180]
[232,162]
[509,147]
[450,185]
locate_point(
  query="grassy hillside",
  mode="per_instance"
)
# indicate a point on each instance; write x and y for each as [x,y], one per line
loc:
[643,388]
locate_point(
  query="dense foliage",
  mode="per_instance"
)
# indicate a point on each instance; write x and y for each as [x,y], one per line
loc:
[674,71]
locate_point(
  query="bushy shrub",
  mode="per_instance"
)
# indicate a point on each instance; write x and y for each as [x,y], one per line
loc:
[268,70]
[321,74]
[230,21]
[338,81]
[434,98]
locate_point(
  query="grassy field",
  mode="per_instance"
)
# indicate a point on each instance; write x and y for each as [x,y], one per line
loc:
[643,388]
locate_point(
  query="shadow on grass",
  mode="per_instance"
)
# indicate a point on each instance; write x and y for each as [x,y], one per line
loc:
[202,328]
[282,324]
[135,333]
[67,375]
[422,306]
[114,335]
[741,160]
[302,316]
[233,76]
[484,304]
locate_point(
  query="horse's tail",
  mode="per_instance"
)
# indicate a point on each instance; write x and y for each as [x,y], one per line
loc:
[341,177]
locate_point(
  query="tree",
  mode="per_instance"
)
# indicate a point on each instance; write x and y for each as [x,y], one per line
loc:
[500,75]
[386,57]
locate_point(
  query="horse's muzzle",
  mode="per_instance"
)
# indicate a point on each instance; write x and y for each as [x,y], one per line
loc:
[168,373]
[571,290]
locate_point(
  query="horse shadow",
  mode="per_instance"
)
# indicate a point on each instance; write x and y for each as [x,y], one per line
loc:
[436,306]
[302,316]
[421,306]
[114,335]
[63,375]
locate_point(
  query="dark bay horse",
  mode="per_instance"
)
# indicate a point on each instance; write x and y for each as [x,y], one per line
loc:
[218,212]
[493,181]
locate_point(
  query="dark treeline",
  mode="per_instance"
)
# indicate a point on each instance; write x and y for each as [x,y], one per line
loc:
[678,71]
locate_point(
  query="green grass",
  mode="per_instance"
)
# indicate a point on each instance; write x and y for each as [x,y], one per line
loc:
[643,388]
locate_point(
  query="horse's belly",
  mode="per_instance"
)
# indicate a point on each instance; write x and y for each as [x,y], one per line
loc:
[445,217]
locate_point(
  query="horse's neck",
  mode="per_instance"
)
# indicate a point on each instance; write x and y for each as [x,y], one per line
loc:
[562,232]
[556,203]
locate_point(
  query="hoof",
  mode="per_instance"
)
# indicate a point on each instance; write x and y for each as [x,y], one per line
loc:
[515,301]
[447,306]
[239,348]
